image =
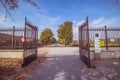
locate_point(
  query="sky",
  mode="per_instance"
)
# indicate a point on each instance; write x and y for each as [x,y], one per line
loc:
[53,13]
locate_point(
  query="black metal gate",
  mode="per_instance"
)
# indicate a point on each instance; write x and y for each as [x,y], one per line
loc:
[21,39]
[109,41]
[84,46]
[30,42]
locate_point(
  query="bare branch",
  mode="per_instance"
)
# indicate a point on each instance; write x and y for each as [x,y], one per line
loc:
[9,5]
[33,3]
[6,9]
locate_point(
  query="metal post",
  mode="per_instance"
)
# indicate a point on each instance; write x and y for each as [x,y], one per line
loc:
[88,45]
[79,39]
[36,36]
[35,45]
[106,38]
[24,44]
[13,38]
[36,40]
[81,43]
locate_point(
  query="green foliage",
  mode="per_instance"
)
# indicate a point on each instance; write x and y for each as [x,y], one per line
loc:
[53,40]
[46,36]
[65,33]
[72,44]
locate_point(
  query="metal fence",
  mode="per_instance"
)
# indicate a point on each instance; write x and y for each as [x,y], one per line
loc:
[109,40]
[11,38]
[109,37]
[18,38]
[30,36]
[24,39]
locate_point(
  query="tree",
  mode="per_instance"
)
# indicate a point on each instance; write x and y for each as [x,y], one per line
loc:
[46,36]
[53,40]
[10,5]
[65,33]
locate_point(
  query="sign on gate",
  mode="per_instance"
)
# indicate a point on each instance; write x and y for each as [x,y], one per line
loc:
[97,42]
[22,39]
[102,43]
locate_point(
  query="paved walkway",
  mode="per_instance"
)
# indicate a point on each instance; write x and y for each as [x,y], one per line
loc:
[64,64]
[61,64]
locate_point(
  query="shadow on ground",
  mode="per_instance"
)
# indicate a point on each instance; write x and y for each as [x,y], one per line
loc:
[58,68]
[110,68]
[70,67]
[17,73]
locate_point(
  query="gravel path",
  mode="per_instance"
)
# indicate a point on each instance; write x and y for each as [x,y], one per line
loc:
[64,64]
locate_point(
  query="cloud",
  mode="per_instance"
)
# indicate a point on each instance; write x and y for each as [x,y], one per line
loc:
[47,20]
[75,32]
[74,21]
[2,20]
[8,23]
[102,21]
[98,22]
[76,24]
[80,22]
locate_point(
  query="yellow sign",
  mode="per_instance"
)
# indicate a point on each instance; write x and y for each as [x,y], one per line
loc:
[102,43]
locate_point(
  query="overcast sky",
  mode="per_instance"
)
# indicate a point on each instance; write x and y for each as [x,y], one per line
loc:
[52,13]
